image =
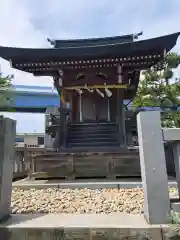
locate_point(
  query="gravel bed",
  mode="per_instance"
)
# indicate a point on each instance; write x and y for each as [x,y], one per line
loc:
[54,200]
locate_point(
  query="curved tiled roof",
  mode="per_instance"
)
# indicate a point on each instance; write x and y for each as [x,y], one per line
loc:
[92,41]
[144,47]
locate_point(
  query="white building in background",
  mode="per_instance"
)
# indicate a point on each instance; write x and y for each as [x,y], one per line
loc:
[31,139]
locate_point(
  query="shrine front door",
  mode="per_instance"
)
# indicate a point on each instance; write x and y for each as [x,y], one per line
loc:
[95,108]
[102,109]
[88,109]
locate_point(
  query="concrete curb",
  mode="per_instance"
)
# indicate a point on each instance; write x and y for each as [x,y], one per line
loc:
[78,185]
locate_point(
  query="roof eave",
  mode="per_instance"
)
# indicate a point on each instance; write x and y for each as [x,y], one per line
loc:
[150,46]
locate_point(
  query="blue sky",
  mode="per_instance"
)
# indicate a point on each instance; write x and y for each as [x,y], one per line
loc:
[28,23]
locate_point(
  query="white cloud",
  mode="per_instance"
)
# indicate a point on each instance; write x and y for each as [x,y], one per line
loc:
[17,31]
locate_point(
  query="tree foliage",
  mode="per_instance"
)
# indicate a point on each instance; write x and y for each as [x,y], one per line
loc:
[160,88]
[5,84]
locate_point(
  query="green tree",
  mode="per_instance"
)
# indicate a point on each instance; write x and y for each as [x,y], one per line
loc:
[5,94]
[160,88]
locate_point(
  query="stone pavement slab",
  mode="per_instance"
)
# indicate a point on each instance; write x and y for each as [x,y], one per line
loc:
[80,226]
[114,220]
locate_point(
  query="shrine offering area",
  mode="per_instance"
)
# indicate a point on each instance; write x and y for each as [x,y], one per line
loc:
[54,200]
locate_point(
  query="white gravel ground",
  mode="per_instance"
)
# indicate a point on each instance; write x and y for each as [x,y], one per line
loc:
[55,200]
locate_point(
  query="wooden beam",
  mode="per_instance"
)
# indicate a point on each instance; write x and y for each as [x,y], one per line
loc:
[116,86]
[89,62]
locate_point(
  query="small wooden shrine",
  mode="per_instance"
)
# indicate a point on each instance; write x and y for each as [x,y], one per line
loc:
[94,76]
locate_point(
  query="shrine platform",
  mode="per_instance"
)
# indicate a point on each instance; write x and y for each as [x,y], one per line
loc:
[80,226]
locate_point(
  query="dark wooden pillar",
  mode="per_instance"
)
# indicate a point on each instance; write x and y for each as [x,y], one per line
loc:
[120,108]
[62,121]
[60,137]
[70,97]
[121,117]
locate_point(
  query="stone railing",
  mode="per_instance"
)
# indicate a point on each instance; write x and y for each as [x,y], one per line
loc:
[22,163]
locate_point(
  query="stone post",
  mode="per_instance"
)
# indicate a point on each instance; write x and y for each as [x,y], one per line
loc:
[153,168]
[7,155]
[176,153]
